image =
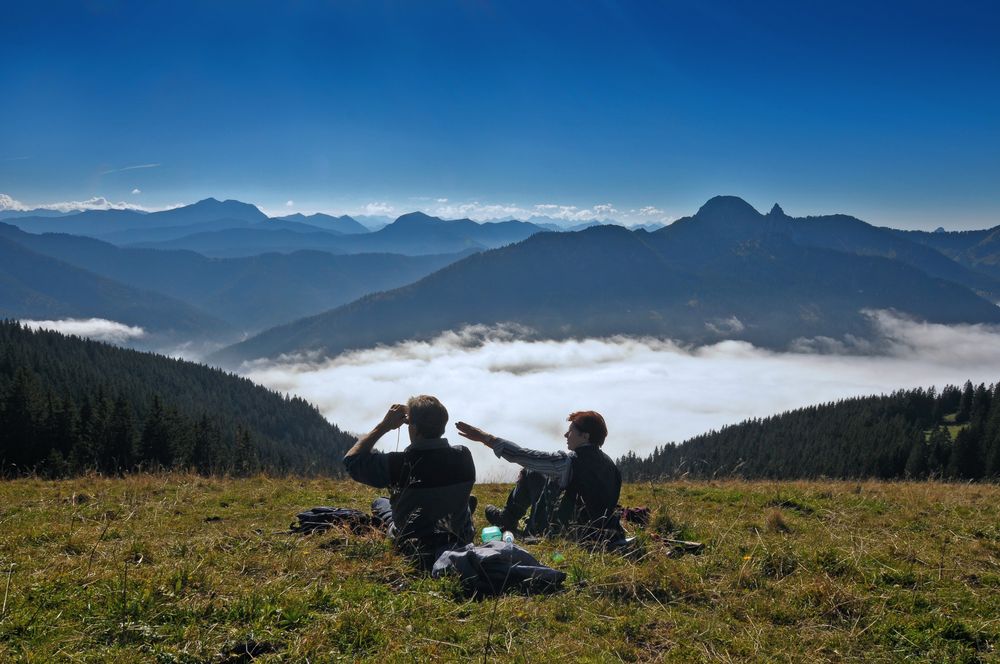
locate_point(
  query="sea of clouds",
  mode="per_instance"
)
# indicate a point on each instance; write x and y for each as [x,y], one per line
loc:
[650,391]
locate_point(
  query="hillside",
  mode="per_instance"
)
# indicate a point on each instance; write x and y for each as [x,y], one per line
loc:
[910,434]
[727,272]
[68,405]
[977,250]
[175,568]
[250,293]
[34,286]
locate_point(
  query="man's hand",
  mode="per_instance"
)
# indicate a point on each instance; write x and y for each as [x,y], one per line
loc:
[478,435]
[395,418]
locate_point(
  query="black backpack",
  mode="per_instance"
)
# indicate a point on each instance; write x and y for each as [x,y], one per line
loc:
[319,519]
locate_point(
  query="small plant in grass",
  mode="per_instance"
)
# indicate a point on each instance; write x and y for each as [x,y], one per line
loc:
[662,523]
[775,522]
[777,564]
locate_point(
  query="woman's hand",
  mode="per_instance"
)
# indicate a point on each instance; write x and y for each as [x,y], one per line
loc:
[473,433]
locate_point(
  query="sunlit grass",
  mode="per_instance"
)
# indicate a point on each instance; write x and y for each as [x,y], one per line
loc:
[178,568]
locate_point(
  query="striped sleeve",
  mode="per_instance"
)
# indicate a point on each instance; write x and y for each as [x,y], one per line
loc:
[551,464]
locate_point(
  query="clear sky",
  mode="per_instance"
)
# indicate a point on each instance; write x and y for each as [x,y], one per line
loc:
[889,111]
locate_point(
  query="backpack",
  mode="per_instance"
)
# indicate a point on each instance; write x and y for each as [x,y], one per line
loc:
[320,519]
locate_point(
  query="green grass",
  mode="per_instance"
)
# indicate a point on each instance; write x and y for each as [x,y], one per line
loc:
[183,569]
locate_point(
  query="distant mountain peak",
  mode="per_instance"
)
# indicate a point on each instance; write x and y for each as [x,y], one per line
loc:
[776,211]
[940,229]
[411,218]
[727,207]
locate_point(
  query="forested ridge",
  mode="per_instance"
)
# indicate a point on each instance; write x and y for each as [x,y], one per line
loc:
[909,434]
[69,405]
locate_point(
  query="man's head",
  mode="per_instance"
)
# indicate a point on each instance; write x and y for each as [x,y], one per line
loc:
[426,416]
[585,427]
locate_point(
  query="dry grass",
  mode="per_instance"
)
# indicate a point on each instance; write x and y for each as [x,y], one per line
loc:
[178,568]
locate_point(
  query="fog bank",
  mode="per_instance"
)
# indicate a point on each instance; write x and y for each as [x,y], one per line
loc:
[650,391]
[100,329]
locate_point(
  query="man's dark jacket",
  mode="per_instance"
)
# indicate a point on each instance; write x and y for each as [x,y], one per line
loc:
[429,485]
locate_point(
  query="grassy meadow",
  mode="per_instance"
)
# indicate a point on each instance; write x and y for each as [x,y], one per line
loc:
[177,568]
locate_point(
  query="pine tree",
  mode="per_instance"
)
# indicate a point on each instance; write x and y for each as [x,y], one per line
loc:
[23,421]
[965,405]
[916,462]
[155,450]
[966,462]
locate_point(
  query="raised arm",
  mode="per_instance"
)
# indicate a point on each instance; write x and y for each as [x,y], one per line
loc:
[552,464]
[395,418]
[364,466]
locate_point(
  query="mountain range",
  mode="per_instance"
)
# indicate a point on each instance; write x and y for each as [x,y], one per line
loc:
[250,294]
[35,286]
[326,283]
[411,234]
[726,272]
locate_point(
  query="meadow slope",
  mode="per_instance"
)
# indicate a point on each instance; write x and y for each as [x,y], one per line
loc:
[177,568]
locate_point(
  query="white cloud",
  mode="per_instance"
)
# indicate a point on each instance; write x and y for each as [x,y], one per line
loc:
[95,203]
[129,168]
[725,326]
[650,211]
[92,328]
[8,203]
[442,200]
[575,214]
[289,203]
[650,391]
[378,207]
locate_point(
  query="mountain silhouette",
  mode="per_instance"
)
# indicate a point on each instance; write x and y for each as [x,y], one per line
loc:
[725,272]
[343,224]
[98,222]
[251,293]
[33,286]
[412,234]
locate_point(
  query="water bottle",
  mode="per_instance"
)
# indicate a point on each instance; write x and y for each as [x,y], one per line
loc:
[491,533]
[508,537]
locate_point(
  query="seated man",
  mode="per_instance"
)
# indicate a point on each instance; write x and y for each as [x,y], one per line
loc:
[428,509]
[573,492]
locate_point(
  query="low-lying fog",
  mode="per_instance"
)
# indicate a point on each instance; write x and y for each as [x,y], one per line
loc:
[649,391]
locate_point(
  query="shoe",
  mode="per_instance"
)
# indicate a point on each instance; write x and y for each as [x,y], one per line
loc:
[496,517]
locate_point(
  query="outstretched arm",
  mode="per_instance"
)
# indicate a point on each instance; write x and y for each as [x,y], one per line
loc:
[552,464]
[476,434]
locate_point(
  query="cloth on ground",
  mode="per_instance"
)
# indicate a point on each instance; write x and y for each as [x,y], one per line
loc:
[496,567]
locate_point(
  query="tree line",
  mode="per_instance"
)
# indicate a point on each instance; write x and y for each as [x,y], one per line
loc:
[908,434]
[70,405]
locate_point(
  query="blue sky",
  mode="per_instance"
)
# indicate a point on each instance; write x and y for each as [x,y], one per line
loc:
[888,111]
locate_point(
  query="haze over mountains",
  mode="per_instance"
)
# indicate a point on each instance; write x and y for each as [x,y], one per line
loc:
[216,270]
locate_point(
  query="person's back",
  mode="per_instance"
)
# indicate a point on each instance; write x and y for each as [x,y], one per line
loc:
[587,506]
[430,481]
